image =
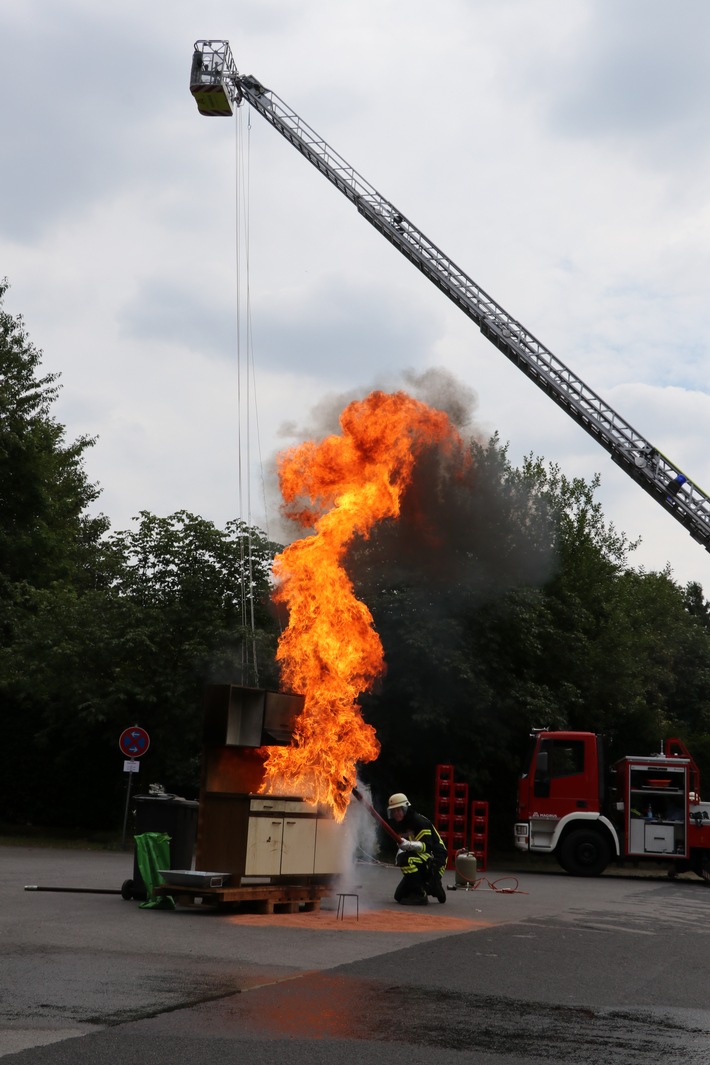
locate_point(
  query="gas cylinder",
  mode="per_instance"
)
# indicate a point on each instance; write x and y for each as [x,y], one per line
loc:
[465,868]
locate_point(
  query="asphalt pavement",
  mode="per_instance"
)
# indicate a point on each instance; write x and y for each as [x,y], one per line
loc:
[527,968]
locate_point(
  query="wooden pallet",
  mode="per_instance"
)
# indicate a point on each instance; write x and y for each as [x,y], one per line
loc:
[256,898]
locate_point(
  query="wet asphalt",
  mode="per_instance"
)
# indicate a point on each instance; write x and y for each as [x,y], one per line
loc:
[549,969]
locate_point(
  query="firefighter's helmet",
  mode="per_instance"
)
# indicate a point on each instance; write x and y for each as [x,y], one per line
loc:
[397,801]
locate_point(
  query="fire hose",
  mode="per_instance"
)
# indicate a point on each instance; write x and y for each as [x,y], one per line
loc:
[380,820]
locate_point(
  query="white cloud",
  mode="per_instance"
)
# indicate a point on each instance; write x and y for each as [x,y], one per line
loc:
[554,148]
[637,73]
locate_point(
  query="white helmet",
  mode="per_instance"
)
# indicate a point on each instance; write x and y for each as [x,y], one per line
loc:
[399,799]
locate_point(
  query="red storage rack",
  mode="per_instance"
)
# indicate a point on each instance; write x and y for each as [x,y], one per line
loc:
[450,811]
[443,807]
[459,834]
[479,833]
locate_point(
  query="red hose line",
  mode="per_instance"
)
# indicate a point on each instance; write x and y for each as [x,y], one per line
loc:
[390,831]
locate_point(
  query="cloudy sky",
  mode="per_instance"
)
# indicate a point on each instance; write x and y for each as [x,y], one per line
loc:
[557,150]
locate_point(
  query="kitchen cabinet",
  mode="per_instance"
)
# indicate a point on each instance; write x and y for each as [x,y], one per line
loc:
[274,837]
[241,830]
[279,843]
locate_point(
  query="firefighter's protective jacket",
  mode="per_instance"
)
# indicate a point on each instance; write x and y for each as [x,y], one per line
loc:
[416,826]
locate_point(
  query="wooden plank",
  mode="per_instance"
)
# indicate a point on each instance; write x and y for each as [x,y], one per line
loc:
[288,898]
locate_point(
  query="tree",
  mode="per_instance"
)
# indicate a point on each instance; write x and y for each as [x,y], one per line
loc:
[47,541]
[200,603]
[44,490]
[464,546]
[173,613]
[528,615]
[503,598]
[100,629]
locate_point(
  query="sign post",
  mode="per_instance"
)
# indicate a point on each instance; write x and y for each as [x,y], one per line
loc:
[133,743]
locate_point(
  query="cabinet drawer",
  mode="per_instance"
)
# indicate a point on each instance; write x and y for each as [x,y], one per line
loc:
[298,806]
[266,805]
[269,804]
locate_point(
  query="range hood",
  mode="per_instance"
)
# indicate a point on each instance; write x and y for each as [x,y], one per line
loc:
[249,717]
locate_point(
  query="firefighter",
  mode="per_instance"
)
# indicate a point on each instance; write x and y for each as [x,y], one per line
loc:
[421,856]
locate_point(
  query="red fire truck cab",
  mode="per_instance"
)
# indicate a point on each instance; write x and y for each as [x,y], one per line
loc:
[647,807]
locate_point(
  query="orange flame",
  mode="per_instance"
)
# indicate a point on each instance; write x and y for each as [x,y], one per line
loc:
[330,652]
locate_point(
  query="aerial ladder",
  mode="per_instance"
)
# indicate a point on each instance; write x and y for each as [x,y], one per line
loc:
[219,88]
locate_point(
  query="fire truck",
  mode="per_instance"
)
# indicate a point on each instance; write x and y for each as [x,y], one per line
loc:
[644,807]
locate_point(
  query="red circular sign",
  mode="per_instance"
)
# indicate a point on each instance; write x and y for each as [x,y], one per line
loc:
[134,742]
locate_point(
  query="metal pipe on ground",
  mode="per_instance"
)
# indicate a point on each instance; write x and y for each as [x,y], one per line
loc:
[75,890]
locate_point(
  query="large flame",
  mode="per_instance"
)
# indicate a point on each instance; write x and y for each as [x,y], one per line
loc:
[330,651]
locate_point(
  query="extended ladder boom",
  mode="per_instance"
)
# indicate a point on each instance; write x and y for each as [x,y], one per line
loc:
[655,473]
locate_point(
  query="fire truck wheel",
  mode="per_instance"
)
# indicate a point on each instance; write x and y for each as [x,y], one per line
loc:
[584,853]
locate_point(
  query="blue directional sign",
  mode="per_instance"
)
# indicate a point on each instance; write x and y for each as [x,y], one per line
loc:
[134,742]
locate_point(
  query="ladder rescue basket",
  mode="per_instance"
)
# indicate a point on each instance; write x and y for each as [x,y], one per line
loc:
[209,65]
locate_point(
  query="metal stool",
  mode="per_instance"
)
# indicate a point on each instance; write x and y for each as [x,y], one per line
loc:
[342,896]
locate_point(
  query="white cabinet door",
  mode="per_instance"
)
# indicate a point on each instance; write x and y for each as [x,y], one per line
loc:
[299,844]
[331,844]
[264,839]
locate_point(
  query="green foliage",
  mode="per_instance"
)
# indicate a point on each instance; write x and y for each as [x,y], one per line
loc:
[535,619]
[503,598]
[47,544]
[43,487]
[174,613]
[101,630]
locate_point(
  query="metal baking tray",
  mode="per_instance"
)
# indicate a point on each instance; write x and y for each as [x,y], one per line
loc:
[193,878]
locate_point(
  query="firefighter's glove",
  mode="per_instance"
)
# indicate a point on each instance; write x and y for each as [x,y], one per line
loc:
[414,846]
[401,858]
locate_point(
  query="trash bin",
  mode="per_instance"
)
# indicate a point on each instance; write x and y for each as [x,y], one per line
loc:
[176,817]
[153,856]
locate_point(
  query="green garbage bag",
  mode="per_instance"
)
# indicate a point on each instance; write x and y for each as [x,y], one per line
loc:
[152,854]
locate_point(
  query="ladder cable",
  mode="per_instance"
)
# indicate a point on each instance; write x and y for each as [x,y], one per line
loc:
[246,396]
